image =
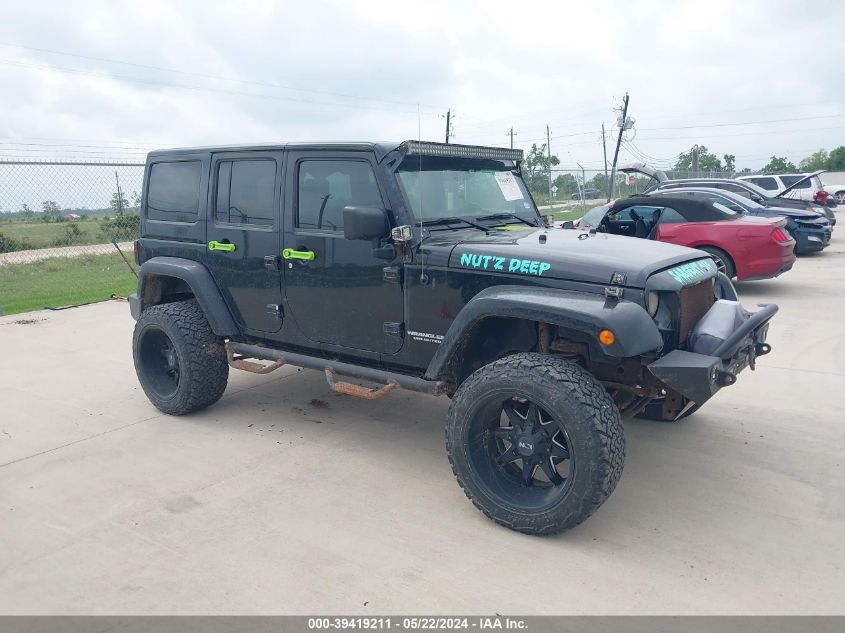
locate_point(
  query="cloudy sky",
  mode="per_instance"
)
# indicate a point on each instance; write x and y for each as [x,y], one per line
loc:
[91,79]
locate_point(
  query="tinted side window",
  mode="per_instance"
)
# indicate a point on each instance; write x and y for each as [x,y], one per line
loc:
[646,213]
[770,184]
[173,191]
[736,189]
[325,187]
[245,191]
[789,180]
[725,202]
[670,216]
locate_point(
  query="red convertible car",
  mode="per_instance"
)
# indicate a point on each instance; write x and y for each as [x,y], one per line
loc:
[743,246]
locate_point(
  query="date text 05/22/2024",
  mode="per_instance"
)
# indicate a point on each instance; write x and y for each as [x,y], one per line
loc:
[504,264]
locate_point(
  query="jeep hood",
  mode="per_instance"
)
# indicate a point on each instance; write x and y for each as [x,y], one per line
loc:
[568,255]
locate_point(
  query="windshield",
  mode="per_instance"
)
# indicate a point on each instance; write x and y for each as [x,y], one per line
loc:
[458,187]
[592,218]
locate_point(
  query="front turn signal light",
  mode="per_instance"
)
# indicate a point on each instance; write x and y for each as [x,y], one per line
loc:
[606,337]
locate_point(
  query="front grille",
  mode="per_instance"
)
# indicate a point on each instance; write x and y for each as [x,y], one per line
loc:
[695,302]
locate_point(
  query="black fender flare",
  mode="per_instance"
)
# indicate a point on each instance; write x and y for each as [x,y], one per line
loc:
[201,283]
[580,315]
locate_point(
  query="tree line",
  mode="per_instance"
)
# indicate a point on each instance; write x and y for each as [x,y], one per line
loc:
[535,169]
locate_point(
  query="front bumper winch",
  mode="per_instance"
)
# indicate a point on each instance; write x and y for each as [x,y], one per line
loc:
[698,376]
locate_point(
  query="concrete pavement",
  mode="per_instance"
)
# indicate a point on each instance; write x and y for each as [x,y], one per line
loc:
[285,498]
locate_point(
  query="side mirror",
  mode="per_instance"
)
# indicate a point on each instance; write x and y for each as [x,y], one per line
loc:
[569,224]
[365,223]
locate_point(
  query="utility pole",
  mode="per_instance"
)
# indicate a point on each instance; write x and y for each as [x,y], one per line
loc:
[622,123]
[695,150]
[448,122]
[604,149]
[583,186]
[549,156]
[511,134]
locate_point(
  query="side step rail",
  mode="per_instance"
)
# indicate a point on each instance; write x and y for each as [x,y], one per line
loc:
[240,362]
[358,391]
[238,353]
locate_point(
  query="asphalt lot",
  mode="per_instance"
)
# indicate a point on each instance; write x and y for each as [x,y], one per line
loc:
[285,498]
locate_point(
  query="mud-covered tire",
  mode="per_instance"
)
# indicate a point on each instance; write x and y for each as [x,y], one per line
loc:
[181,364]
[590,429]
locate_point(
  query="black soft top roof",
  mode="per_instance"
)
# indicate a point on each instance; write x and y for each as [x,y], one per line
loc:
[693,209]
[381,150]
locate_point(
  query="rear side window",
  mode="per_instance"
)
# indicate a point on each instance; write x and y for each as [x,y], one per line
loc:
[791,180]
[173,191]
[643,212]
[770,184]
[669,216]
[724,202]
[325,187]
[246,192]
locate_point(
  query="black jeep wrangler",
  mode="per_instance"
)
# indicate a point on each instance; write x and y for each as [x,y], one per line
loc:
[427,266]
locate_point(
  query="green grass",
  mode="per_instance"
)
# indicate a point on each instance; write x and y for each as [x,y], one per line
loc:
[63,281]
[569,214]
[43,234]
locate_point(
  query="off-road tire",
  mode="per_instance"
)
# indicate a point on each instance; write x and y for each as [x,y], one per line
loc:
[567,392]
[201,357]
[720,256]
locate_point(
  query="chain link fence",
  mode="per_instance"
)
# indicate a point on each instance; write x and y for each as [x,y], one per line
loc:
[61,225]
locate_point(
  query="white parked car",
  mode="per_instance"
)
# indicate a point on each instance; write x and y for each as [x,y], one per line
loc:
[807,187]
[834,184]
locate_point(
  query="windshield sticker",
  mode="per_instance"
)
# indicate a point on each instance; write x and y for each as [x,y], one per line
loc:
[509,264]
[693,272]
[510,188]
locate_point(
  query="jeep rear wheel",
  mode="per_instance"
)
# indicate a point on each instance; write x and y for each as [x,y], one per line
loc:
[180,362]
[535,442]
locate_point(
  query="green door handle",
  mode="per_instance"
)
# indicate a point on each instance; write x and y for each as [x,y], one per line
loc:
[214,245]
[289,253]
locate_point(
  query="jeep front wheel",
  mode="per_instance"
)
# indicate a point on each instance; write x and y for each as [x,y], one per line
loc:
[180,362]
[535,442]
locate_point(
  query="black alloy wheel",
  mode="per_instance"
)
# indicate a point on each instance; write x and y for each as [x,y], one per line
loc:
[535,441]
[158,362]
[526,447]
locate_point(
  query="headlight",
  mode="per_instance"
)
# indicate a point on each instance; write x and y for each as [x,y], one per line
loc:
[653,303]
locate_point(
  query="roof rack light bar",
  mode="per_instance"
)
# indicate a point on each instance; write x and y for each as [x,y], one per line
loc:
[427,148]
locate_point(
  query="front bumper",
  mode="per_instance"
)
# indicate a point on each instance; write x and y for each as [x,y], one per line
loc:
[134,305]
[812,240]
[698,377]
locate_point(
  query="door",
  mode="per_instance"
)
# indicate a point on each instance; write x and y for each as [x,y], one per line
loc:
[669,227]
[243,236]
[339,294]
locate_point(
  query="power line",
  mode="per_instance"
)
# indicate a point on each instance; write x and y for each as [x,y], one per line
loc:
[636,152]
[76,71]
[698,136]
[71,145]
[205,76]
[690,127]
